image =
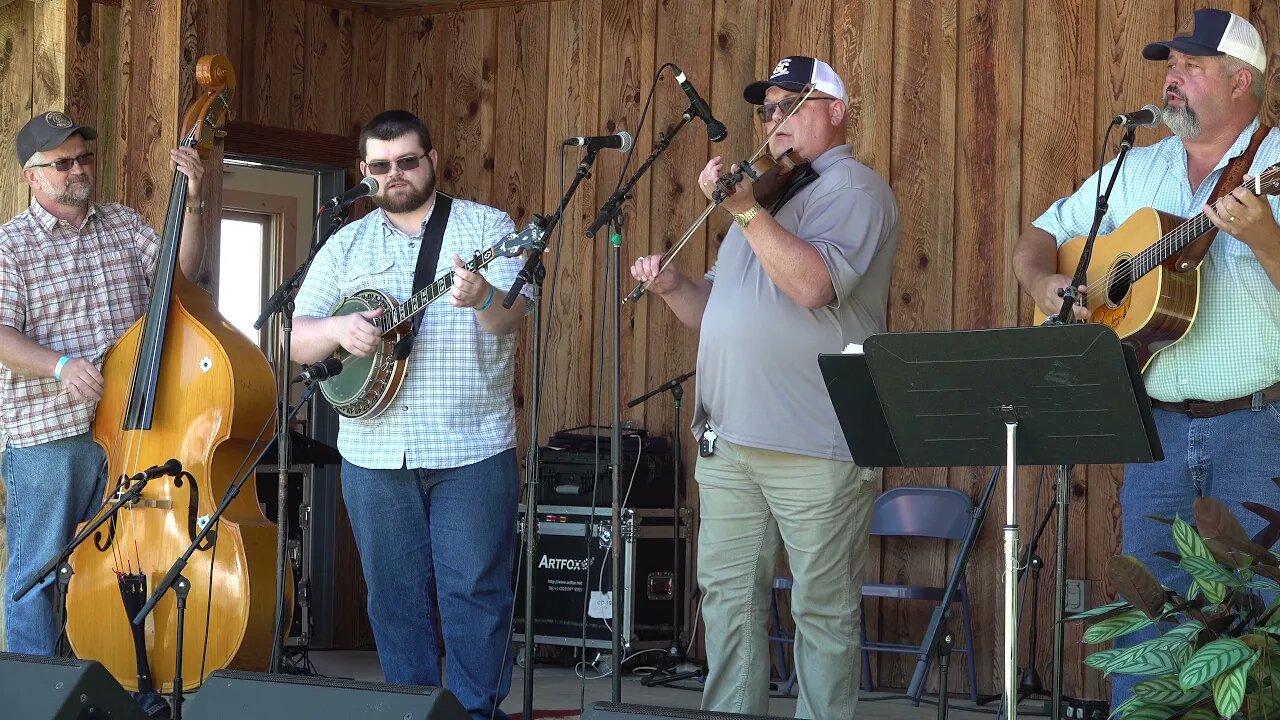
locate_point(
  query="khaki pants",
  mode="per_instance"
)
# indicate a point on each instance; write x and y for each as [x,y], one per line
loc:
[753,502]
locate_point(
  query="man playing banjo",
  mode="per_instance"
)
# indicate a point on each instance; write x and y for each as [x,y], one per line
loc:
[430,481]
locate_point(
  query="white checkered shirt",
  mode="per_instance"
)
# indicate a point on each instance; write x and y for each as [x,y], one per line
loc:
[455,406]
[74,290]
[1233,348]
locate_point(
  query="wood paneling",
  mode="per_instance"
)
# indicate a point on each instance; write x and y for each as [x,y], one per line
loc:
[978,112]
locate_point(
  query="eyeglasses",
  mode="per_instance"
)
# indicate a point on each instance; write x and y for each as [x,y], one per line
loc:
[382,167]
[83,160]
[785,105]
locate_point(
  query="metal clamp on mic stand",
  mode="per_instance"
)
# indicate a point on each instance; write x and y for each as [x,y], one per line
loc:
[668,669]
[611,214]
[532,273]
[174,578]
[281,301]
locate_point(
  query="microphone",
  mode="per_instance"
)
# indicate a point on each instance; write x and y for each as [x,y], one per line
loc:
[1148,116]
[173,467]
[618,141]
[322,370]
[367,187]
[697,106]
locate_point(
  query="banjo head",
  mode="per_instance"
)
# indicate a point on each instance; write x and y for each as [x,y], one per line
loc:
[357,390]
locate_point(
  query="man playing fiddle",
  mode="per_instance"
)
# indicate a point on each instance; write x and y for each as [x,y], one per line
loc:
[774,470]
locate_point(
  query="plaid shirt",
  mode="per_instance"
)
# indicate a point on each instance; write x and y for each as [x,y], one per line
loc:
[455,405]
[74,290]
[1233,348]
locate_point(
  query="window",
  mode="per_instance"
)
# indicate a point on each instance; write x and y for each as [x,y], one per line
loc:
[247,239]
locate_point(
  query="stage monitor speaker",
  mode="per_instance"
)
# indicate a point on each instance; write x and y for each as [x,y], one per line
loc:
[50,688]
[260,696]
[622,711]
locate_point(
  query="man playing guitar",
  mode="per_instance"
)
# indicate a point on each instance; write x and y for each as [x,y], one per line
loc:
[1216,391]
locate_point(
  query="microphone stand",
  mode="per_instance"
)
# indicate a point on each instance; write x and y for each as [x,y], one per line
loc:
[611,214]
[1071,296]
[180,584]
[282,301]
[532,273]
[667,670]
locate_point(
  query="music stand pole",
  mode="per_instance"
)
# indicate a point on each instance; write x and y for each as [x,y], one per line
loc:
[1060,589]
[1010,416]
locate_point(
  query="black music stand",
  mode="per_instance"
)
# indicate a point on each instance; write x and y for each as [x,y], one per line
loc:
[1013,396]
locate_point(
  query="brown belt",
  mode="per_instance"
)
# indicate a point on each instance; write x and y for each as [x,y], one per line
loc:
[1208,408]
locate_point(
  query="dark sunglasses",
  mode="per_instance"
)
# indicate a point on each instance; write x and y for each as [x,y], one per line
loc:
[63,165]
[765,111]
[382,167]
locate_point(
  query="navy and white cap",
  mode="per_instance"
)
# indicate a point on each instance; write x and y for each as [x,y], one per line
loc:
[1214,32]
[793,73]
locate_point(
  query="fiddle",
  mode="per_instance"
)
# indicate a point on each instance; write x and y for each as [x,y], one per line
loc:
[774,181]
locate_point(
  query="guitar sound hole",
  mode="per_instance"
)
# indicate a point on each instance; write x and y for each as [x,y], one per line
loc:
[1120,281]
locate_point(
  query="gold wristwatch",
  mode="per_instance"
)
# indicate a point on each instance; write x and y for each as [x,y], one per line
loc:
[743,218]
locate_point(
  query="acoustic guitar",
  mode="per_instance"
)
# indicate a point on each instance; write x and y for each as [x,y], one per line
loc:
[1136,284]
[367,385]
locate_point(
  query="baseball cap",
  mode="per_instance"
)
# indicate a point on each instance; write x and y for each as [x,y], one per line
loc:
[1214,32]
[47,131]
[793,73]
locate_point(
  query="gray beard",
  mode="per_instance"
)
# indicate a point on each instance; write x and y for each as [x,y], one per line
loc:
[1182,121]
[74,195]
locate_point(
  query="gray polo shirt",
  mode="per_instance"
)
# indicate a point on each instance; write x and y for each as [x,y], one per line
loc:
[758,379]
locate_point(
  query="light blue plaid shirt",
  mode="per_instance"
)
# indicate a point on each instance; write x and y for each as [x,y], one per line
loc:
[455,406]
[1233,347]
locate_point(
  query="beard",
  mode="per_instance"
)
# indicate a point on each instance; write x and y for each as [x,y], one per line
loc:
[1181,120]
[406,199]
[75,193]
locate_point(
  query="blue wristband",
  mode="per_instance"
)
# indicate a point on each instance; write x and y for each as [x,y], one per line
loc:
[487,300]
[57,369]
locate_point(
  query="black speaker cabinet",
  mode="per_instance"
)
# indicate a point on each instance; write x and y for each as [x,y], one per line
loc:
[47,688]
[622,711]
[260,696]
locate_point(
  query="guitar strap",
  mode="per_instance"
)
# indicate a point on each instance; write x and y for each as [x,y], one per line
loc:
[1232,177]
[428,258]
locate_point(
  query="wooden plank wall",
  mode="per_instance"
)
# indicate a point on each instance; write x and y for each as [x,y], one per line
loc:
[979,112]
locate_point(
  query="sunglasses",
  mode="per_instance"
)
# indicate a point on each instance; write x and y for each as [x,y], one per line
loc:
[63,165]
[785,105]
[382,167]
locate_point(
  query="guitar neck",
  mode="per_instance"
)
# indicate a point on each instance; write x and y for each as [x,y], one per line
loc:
[1180,237]
[429,294]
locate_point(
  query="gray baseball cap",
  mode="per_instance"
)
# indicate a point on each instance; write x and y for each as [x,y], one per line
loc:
[47,131]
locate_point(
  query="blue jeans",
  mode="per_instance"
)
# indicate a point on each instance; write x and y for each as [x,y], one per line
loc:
[1231,457]
[52,488]
[440,541]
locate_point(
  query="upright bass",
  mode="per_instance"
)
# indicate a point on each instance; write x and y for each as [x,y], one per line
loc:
[182,384]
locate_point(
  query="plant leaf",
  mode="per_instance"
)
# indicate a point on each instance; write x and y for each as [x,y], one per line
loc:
[1207,575]
[1166,690]
[1200,713]
[1228,690]
[1268,536]
[1135,583]
[1147,659]
[1212,661]
[1209,571]
[1214,520]
[1101,610]
[1117,626]
[1225,553]
[1188,541]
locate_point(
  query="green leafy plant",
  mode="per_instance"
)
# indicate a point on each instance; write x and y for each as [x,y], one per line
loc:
[1217,654]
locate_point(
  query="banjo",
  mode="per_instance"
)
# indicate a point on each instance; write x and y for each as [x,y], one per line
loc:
[368,384]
